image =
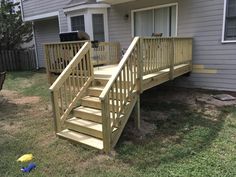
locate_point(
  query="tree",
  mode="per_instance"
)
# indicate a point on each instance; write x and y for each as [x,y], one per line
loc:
[13,31]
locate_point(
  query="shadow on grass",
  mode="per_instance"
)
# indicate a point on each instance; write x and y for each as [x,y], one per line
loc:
[184,133]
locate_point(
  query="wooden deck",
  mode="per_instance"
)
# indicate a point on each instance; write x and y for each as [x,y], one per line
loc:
[149,80]
[92,105]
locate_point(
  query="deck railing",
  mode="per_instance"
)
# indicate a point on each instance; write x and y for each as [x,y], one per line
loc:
[162,53]
[120,93]
[70,86]
[58,55]
[144,56]
[106,53]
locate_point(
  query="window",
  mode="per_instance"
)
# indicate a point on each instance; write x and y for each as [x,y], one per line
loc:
[77,23]
[92,20]
[98,27]
[155,20]
[230,21]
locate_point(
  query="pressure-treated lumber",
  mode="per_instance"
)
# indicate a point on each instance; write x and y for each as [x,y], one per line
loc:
[102,100]
[81,138]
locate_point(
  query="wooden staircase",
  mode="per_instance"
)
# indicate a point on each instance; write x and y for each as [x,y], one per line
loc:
[85,125]
[92,108]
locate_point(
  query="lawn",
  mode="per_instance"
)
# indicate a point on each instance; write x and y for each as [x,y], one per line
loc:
[180,136]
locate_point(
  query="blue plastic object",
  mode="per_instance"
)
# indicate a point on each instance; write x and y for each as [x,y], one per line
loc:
[30,167]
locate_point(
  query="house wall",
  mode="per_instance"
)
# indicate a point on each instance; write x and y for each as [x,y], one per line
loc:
[45,31]
[200,19]
[35,7]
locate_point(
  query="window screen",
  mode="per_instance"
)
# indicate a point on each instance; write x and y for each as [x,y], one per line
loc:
[77,23]
[230,21]
[98,27]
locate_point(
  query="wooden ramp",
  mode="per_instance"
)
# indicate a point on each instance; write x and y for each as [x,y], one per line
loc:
[92,105]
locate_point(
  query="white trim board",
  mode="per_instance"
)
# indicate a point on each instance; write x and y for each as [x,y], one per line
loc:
[86,6]
[223,27]
[155,7]
[42,16]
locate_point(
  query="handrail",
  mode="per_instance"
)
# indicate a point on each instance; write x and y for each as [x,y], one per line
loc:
[119,68]
[71,85]
[119,93]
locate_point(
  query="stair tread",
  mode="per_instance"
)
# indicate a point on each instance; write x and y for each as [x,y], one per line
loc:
[81,138]
[94,111]
[100,88]
[91,98]
[89,110]
[86,123]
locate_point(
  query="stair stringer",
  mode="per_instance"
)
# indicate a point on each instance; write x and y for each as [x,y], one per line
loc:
[116,135]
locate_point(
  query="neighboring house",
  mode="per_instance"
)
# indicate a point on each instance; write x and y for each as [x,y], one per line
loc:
[212,24]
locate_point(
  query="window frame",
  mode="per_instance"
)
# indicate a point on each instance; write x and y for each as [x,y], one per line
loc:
[153,8]
[75,17]
[93,14]
[224,40]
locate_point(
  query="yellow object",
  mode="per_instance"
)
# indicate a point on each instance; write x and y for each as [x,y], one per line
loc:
[25,158]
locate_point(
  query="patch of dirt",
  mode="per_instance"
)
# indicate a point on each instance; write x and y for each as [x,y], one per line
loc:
[15,98]
[209,100]
[196,101]
[12,127]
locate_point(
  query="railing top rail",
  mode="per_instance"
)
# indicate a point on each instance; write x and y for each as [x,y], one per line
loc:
[70,42]
[166,37]
[78,42]
[63,76]
[119,69]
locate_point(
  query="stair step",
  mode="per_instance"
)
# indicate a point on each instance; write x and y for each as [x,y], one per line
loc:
[95,91]
[86,113]
[81,138]
[85,126]
[90,114]
[101,81]
[94,102]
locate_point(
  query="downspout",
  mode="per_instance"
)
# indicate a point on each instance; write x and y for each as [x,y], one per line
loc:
[22,12]
[35,46]
[33,31]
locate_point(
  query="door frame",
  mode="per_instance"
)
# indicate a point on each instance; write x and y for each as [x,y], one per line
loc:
[155,7]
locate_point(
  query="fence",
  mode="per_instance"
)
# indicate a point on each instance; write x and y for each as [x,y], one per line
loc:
[17,60]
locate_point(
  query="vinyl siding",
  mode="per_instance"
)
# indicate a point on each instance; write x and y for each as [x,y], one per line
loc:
[200,19]
[36,7]
[45,31]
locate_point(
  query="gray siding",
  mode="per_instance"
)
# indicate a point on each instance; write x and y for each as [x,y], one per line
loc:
[200,19]
[39,7]
[36,7]
[45,31]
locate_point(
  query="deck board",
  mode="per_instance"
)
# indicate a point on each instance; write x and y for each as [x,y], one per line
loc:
[149,80]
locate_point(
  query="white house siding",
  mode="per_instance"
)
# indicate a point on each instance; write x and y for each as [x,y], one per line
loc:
[45,31]
[200,19]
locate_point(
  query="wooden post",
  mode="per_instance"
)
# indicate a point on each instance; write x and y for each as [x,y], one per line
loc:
[106,125]
[56,111]
[140,67]
[137,113]
[191,54]
[172,59]
[46,56]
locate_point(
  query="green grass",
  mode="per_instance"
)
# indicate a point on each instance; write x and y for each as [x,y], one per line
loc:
[188,142]
[28,83]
